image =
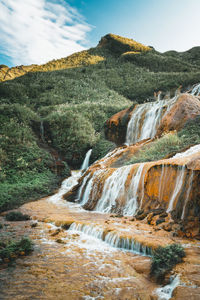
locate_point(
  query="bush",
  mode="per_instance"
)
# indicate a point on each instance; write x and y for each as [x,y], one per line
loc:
[164,259]
[27,187]
[17,216]
[10,250]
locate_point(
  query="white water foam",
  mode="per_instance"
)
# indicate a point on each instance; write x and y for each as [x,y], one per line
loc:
[85,164]
[178,187]
[146,119]
[188,194]
[67,184]
[191,151]
[112,238]
[114,188]
[196,90]
[165,292]
[131,203]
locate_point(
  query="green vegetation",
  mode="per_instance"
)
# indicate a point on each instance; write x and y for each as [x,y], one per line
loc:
[10,250]
[17,216]
[25,167]
[74,97]
[164,259]
[170,144]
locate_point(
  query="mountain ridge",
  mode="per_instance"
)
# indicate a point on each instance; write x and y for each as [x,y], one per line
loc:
[113,43]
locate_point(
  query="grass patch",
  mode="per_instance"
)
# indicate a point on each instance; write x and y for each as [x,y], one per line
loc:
[16,216]
[164,259]
[10,250]
[170,143]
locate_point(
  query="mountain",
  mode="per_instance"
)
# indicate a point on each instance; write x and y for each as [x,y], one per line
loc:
[50,115]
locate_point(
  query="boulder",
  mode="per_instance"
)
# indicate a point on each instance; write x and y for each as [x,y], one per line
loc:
[115,127]
[186,107]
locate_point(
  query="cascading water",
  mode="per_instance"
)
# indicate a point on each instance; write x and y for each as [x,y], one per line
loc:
[188,193]
[131,203]
[196,90]
[178,186]
[114,187]
[67,184]
[165,292]
[85,164]
[112,238]
[146,119]
[191,151]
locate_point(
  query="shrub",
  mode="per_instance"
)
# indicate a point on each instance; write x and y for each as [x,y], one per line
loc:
[10,250]
[17,216]
[164,259]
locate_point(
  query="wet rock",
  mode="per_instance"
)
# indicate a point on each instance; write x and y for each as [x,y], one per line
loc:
[115,127]
[150,217]
[56,232]
[163,215]
[141,216]
[159,221]
[71,196]
[167,227]
[60,241]
[187,107]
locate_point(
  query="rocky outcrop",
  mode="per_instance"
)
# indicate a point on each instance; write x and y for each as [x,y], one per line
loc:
[186,107]
[119,45]
[7,73]
[116,126]
[165,115]
[170,186]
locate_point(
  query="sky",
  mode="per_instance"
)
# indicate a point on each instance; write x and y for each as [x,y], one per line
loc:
[36,31]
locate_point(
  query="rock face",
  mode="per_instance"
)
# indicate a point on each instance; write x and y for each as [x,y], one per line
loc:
[186,107]
[169,115]
[116,126]
[7,73]
[119,44]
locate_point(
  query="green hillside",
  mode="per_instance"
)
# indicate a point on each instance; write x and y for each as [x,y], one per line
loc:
[53,114]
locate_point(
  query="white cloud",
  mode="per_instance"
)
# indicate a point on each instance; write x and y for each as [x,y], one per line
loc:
[36,31]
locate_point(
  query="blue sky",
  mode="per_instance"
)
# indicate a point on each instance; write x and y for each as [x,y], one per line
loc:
[36,31]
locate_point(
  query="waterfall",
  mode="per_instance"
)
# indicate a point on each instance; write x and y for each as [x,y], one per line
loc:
[131,202]
[178,186]
[196,90]
[126,243]
[85,164]
[42,131]
[162,182]
[87,191]
[112,238]
[191,151]
[114,188]
[146,119]
[85,179]
[67,185]
[94,231]
[165,292]
[188,193]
